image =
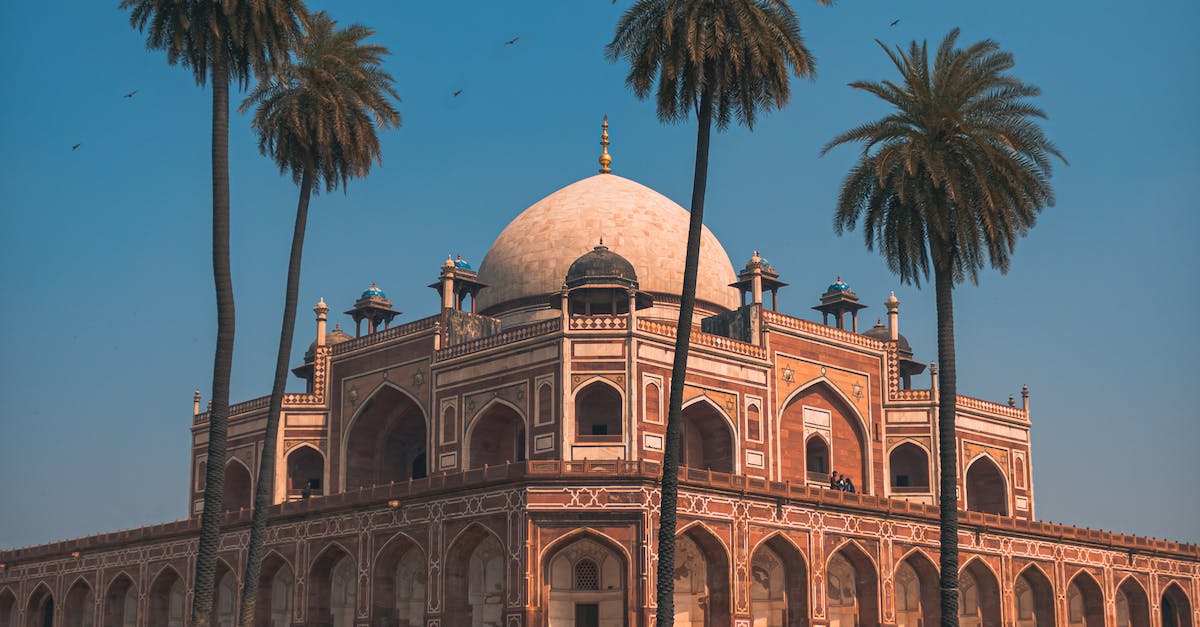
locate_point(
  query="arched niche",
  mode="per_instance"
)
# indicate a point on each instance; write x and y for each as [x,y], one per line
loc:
[1176,609]
[39,610]
[305,471]
[80,605]
[585,581]
[333,588]
[475,584]
[702,590]
[978,595]
[1133,605]
[599,412]
[909,468]
[1035,598]
[225,599]
[386,441]
[820,408]
[120,603]
[778,585]
[851,587]
[276,581]
[167,599]
[239,487]
[8,608]
[399,583]
[987,489]
[496,437]
[1085,601]
[918,602]
[706,438]
[816,457]
[652,397]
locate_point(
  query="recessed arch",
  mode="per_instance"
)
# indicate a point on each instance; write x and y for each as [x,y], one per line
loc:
[852,585]
[986,486]
[398,582]
[304,468]
[918,601]
[39,607]
[333,586]
[820,406]
[708,437]
[8,607]
[1133,604]
[1034,594]
[120,602]
[496,435]
[167,598]
[1085,600]
[978,594]
[79,605]
[816,456]
[588,533]
[475,584]
[386,440]
[239,485]
[585,575]
[908,467]
[276,580]
[778,583]
[1175,608]
[702,586]
[599,409]
[226,596]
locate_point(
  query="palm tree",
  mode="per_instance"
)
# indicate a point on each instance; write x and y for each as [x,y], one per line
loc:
[317,118]
[727,59]
[218,41]
[950,179]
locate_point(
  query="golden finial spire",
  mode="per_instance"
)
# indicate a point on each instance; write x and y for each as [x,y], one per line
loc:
[605,158]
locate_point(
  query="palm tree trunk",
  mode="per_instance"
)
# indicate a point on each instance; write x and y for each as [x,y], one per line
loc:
[943,279]
[218,416]
[266,464]
[667,522]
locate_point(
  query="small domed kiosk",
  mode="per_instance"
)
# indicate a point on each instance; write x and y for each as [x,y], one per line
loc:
[601,282]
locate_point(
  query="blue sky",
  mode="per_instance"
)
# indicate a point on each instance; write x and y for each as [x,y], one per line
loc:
[107,290]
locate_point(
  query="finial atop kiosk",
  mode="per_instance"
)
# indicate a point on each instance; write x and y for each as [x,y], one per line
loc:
[605,158]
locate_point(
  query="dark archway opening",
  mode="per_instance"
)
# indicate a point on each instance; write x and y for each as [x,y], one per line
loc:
[1175,608]
[239,488]
[1133,606]
[120,603]
[497,437]
[305,473]
[598,413]
[1035,598]
[816,458]
[909,469]
[917,600]
[385,441]
[986,490]
[707,443]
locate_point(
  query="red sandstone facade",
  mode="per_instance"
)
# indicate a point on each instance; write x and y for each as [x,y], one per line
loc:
[500,468]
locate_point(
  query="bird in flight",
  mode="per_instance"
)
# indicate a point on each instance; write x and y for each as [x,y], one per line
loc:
[895,22]
[130,95]
[458,93]
[76,146]
[512,41]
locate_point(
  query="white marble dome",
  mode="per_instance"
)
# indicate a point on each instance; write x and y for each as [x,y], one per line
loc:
[529,260]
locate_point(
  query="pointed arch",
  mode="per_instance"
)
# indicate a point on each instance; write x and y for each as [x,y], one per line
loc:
[398,581]
[8,607]
[496,435]
[986,486]
[1133,604]
[918,601]
[702,576]
[79,606]
[304,470]
[820,406]
[708,437]
[585,566]
[475,585]
[585,533]
[778,582]
[1085,600]
[852,585]
[1034,594]
[225,599]
[816,457]
[1176,608]
[167,598]
[908,467]
[239,485]
[386,439]
[39,607]
[599,409]
[333,586]
[979,594]
[275,604]
[120,602]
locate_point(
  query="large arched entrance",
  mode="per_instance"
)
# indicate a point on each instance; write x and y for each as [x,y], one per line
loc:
[239,488]
[305,473]
[778,585]
[821,410]
[80,607]
[496,437]
[978,596]
[120,603]
[476,586]
[917,601]
[387,441]
[1133,606]
[276,581]
[8,608]
[39,612]
[1035,598]
[986,491]
[1175,608]
[398,585]
[599,412]
[701,580]
[333,589]
[225,601]
[1085,601]
[851,588]
[706,441]
[167,599]
[586,582]
[909,466]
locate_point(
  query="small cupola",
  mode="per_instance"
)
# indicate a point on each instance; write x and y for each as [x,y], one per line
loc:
[603,282]
[837,301]
[757,277]
[458,282]
[374,307]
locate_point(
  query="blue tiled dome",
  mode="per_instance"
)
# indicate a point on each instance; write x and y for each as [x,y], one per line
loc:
[838,286]
[459,262]
[374,292]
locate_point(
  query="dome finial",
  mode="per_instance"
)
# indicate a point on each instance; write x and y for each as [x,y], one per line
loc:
[605,158]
